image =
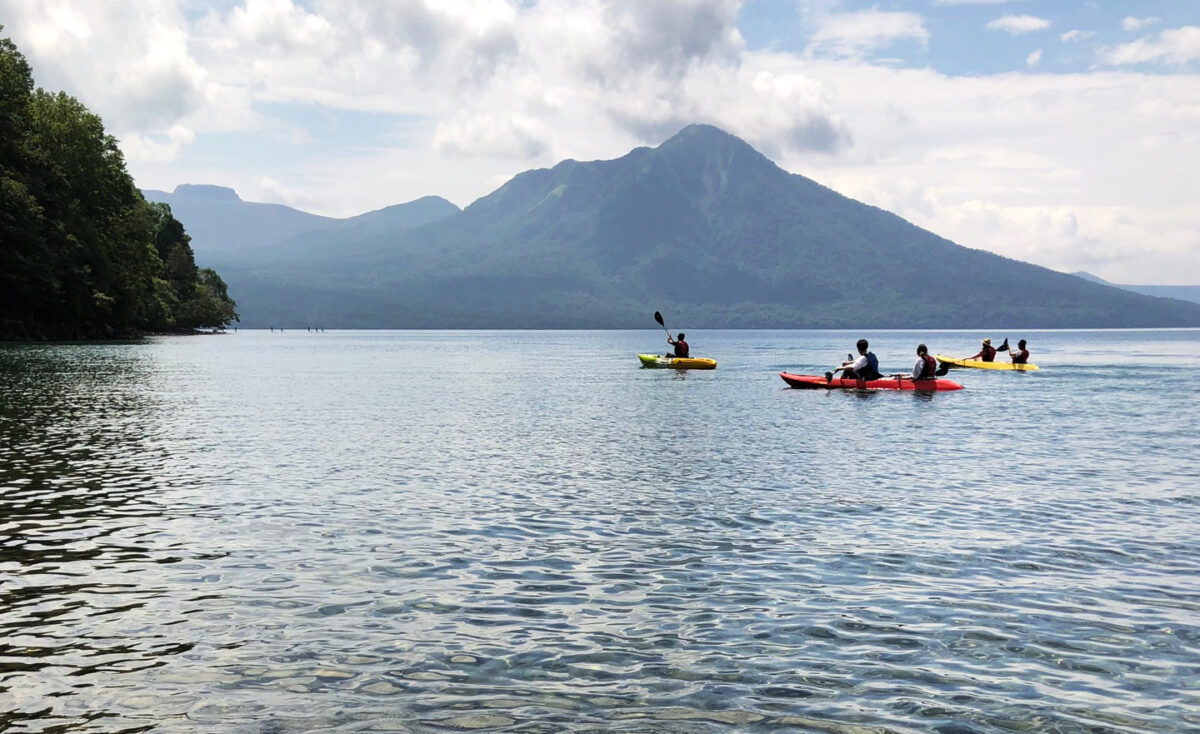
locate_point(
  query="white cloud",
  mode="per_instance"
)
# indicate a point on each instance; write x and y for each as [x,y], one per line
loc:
[1070,171]
[973,2]
[271,191]
[1173,46]
[1019,24]
[857,34]
[277,24]
[1075,35]
[1136,24]
[136,59]
[1034,58]
[157,148]
[483,134]
[1073,171]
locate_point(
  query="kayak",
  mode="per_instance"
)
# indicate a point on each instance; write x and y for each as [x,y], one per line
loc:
[816,382]
[984,365]
[677,363]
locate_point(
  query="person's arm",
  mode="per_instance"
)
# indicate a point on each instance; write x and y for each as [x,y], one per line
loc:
[918,368]
[856,365]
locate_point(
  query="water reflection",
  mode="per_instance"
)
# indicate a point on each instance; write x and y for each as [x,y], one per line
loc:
[82,531]
[420,532]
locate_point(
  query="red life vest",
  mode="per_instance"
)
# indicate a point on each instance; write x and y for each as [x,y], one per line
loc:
[1021,357]
[929,368]
[988,353]
[681,349]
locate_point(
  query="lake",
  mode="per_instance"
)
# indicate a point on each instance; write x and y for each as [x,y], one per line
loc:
[526,531]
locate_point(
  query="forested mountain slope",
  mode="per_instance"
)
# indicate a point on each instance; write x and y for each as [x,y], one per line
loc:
[703,226]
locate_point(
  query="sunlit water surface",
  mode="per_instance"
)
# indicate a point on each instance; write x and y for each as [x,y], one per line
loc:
[525,531]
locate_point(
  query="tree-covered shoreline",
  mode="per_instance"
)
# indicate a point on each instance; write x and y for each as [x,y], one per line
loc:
[82,254]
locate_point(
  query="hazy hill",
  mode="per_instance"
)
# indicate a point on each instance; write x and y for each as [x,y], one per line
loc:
[1182,292]
[226,229]
[220,223]
[703,227]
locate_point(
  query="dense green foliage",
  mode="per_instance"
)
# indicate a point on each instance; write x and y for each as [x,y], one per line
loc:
[702,227]
[82,253]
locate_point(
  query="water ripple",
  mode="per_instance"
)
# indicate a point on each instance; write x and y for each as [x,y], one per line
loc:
[420,532]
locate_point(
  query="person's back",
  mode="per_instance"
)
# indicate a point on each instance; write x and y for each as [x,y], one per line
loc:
[925,365]
[986,353]
[681,347]
[1022,356]
[871,371]
[865,367]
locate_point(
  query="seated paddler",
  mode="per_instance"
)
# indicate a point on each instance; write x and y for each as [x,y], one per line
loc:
[681,347]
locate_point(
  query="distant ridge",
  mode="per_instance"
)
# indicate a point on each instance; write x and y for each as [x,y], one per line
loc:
[1182,292]
[224,228]
[703,226]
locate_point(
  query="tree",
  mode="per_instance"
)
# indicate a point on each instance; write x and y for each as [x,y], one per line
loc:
[23,250]
[82,253]
[211,307]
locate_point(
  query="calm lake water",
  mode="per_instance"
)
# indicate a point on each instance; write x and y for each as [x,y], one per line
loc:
[525,531]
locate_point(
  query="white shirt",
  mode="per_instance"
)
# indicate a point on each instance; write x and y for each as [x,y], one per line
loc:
[918,367]
[860,363]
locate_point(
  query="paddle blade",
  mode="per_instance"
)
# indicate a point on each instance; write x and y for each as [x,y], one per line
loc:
[942,369]
[658,318]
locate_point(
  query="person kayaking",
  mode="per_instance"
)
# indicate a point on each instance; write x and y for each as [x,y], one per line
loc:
[1020,355]
[864,367]
[986,352]
[681,347]
[925,366]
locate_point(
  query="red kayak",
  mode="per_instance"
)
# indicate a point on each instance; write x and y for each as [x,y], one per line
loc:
[815,382]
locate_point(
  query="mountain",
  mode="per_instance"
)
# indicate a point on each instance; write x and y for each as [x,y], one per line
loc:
[220,223]
[224,228]
[702,227]
[1182,292]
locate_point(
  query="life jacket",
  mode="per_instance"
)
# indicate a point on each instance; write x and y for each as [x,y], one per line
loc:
[872,368]
[681,349]
[929,368]
[988,353]
[1021,357]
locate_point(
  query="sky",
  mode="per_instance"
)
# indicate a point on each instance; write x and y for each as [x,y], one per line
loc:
[1060,132]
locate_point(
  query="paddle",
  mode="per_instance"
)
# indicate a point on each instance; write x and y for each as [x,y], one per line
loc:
[829,375]
[658,317]
[943,368]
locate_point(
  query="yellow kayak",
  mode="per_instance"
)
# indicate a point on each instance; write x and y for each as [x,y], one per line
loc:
[678,363]
[978,364]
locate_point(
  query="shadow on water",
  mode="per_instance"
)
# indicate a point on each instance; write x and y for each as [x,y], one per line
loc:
[82,532]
